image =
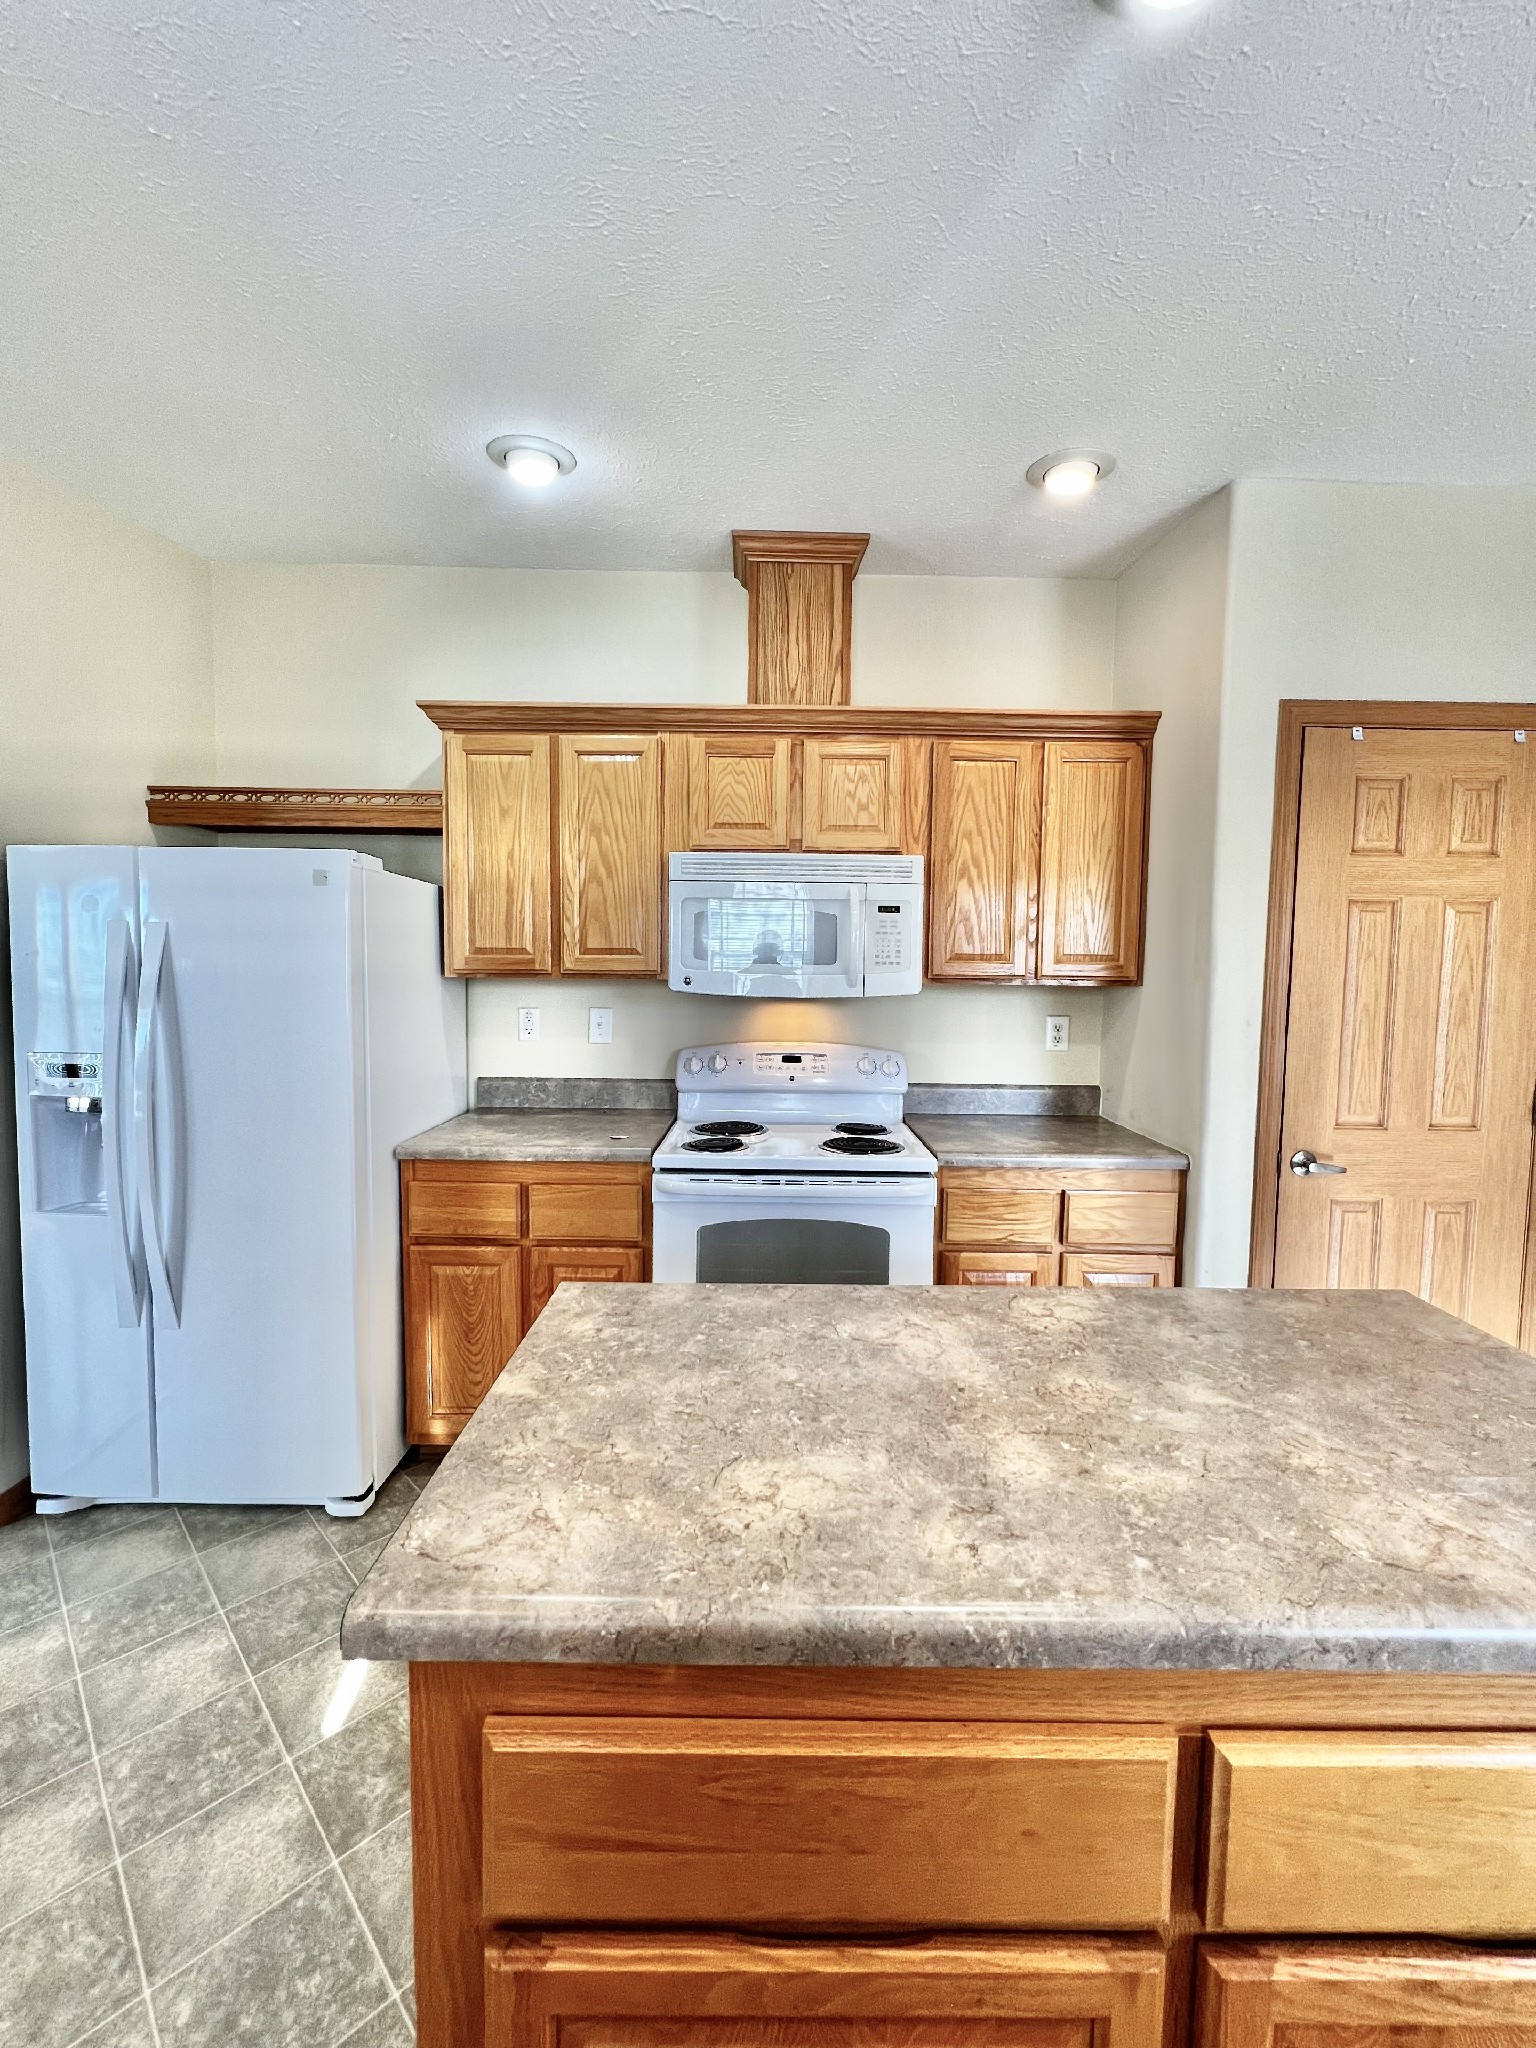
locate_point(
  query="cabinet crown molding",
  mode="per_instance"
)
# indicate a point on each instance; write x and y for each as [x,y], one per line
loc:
[827,721]
[748,548]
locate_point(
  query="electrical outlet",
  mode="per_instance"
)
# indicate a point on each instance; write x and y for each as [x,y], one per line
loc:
[599,1027]
[1058,1033]
[527,1025]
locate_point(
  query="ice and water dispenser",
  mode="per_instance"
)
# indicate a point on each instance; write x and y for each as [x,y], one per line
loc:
[64,1090]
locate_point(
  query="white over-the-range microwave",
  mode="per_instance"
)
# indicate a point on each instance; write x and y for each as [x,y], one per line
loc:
[817,925]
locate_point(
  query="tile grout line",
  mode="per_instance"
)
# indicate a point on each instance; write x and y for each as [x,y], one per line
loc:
[363,2022]
[335,1861]
[101,1792]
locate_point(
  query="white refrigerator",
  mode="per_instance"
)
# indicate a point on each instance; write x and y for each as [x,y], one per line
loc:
[217,1050]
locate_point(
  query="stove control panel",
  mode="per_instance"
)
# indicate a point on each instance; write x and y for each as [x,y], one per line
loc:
[789,1066]
[855,1067]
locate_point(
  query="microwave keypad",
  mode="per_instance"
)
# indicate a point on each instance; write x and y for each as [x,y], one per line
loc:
[888,947]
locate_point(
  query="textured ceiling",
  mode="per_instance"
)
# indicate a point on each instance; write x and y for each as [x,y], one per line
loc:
[273,275]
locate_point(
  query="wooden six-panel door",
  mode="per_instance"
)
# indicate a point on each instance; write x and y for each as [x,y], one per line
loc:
[1410,1047]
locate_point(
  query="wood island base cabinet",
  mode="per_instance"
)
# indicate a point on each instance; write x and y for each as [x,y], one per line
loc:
[706,1857]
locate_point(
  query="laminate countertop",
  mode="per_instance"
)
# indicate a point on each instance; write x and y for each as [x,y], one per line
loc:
[986,1139]
[1174,1479]
[576,1135]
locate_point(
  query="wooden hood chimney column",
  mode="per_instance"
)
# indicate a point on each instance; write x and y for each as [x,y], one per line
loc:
[799,613]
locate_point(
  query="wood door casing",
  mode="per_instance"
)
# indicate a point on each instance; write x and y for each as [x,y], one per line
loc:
[984,867]
[549,1264]
[738,791]
[707,1990]
[1092,860]
[464,1319]
[497,865]
[1363,1995]
[1409,1056]
[610,856]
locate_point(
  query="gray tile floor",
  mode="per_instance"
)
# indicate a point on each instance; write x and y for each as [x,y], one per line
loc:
[204,1815]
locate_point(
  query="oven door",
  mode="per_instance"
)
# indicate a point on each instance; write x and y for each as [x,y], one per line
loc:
[766,938]
[793,1229]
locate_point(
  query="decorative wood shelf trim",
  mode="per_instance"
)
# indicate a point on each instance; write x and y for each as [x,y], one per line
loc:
[747,548]
[819,721]
[224,808]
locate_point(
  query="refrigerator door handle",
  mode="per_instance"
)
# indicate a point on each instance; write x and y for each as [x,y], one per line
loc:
[127,1272]
[159,1207]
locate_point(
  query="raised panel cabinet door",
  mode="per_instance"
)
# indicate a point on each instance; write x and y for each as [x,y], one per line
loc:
[1116,1269]
[853,795]
[738,792]
[1363,1995]
[1092,861]
[549,1264]
[463,1321]
[1409,1055]
[497,870]
[985,860]
[998,1269]
[723,1991]
[610,856]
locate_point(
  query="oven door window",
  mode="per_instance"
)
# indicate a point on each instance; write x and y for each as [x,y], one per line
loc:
[794,1250]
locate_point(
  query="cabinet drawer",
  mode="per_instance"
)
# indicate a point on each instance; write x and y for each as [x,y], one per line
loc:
[481,1204]
[577,1211]
[1146,1222]
[998,1269]
[820,1824]
[994,1208]
[1372,1834]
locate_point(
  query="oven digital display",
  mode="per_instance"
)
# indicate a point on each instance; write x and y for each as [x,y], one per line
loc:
[789,1066]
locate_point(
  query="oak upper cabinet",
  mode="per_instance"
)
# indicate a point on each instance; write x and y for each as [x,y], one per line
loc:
[985,854]
[611,863]
[737,790]
[854,795]
[1092,861]
[497,880]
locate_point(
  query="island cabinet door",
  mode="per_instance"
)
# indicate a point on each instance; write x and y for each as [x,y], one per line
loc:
[1364,1995]
[710,1990]
[463,1321]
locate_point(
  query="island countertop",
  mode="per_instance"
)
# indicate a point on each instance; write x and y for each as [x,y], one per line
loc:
[1176,1479]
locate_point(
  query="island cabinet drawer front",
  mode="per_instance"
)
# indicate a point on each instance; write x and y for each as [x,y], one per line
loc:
[826,1824]
[573,1211]
[479,1204]
[1107,1220]
[992,1208]
[1346,1833]
[710,1990]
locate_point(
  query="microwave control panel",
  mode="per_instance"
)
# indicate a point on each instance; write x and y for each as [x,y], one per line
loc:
[890,928]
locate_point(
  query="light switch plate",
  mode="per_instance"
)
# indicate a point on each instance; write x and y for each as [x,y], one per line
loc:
[527,1024]
[1058,1033]
[599,1027]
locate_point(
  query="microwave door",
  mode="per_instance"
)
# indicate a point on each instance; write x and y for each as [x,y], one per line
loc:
[790,939]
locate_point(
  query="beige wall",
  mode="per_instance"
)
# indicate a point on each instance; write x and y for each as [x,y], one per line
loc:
[316,673]
[1335,590]
[1170,630]
[103,687]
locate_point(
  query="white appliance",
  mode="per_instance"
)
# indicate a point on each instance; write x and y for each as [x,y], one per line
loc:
[217,1051]
[792,1163]
[818,925]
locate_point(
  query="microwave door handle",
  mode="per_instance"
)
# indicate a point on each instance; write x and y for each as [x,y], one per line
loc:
[857,912]
[127,1278]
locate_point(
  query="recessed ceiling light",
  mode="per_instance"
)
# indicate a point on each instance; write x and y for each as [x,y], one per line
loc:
[1069,475]
[530,461]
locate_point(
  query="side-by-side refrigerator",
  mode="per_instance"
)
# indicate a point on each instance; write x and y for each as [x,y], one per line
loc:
[217,1050]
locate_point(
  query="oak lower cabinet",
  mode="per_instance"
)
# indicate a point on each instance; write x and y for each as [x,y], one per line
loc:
[484,1246]
[712,1990]
[1040,1227]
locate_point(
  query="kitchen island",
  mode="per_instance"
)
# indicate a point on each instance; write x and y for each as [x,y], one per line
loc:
[1092,1646]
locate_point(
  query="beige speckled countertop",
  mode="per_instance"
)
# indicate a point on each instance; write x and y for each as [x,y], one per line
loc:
[986,1139]
[953,1477]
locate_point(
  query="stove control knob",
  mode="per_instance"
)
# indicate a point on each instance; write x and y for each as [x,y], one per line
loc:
[890,1066]
[693,1064]
[717,1063]
[866,1065]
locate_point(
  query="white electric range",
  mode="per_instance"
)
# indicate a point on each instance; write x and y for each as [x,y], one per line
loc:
[792,1163]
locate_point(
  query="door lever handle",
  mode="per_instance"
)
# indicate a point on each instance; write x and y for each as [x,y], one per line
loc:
[1303,1163]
